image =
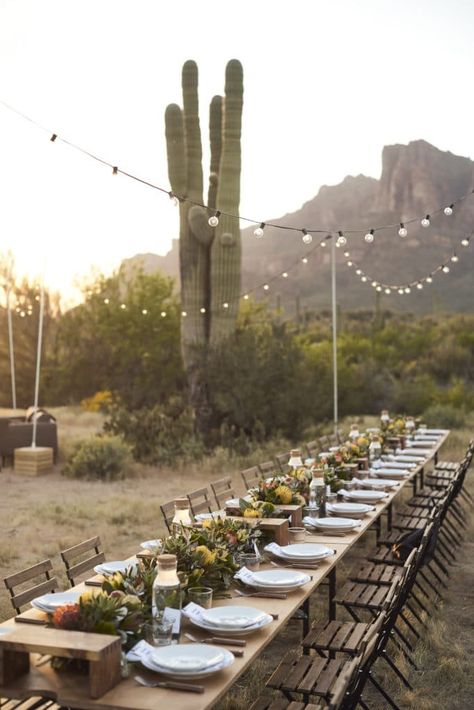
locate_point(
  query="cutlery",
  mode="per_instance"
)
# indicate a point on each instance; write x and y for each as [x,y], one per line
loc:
[169,684]
[238,653]
[267,595]
[220,640]
[277,564]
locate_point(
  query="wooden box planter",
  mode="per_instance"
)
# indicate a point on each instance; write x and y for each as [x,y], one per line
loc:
[101,653]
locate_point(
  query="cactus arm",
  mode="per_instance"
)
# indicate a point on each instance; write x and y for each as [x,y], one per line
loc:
[226,247]
[215,140]
[175,148]
[192,131]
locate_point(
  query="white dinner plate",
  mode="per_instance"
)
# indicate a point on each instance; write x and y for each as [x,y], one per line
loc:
[349,508]
[50,602]
[151,545]
[401,458]
[233,617]
[394,472]
[365,495]
[306,551]
[109,568]
[333,522]
[379,483]
[235,502]
[6,630]
[210,516]
[224,630]
[188,661]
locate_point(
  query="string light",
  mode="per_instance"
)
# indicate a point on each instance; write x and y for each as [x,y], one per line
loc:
[364,278]
[266,287]
[144,311]
[225,305]
[346,254]
[407,289]
[429,280]
[349,263]
[184,314]
[379,288]
[369,237]
[445,269]
[341,240]
[115,169]
[246,297]
[358,272]
[214,220]
[123,306]
[401,291]
[322,244]
[259,231]
[202,310]
[388,291]
[307,238]
[454,258]
[465,242]
[163,314]
[285,275]
[106,301]
[419,286]
[304,260]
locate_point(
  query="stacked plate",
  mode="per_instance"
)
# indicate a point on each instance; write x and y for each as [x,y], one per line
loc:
[304,552]
[405,458]
[382,484]
[335,525]
[151,545]
[349,510]
[109,568]
[240,620]
[50,602]
[391,463]
[188,661]
[439,432]
[235,502]
[397,473]
[210,516]
[279,580]
[365,496]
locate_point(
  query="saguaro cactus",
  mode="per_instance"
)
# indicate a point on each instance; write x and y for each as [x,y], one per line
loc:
[210,257]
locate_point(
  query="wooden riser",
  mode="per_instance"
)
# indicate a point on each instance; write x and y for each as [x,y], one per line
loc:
[31,461]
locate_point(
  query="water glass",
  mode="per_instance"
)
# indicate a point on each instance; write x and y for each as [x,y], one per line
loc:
[201,596]
[250,560]
[311,512]
[159,631]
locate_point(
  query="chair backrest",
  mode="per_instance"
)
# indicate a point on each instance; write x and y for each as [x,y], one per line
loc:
[323,443]
[199,501]
[167,511]
[251,477]
[74,561]
[282,461]
[268,468]
[222,490]
[312,447]
[19,597]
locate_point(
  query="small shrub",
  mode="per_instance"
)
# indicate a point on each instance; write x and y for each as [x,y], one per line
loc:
[445,416]
[104,458]
[99,402]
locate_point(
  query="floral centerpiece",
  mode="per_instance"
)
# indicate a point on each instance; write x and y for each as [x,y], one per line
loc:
[278,491]
[257,509]
[298,480]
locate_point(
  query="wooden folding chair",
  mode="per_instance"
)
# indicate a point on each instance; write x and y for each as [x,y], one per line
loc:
[167,511]
[74,561]
[282,461]
[199,501]
[19,597]
[251,477]
[268,468]
[222,490]
[312,447]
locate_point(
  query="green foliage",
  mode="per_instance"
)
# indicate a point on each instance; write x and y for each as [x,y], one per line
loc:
[445,416]
[157,434]
[105,458]
[119,341]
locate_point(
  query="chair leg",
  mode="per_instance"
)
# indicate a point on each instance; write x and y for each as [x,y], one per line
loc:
[382,691]
[392,665]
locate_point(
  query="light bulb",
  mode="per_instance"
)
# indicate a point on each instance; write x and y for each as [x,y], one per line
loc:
[425,222]
[448,211]
[258,232]
[379,288]
[266,287]
[225,305]
[408,289]
[123,306]
[454,258]
[429,280]
[419,286]
[285,275]
[106,301]
[358,272]
[374,284]
[403,231]
[246,297]
[341,240]
[307,238]
[346,254]
[401,291]
[184,314]
[369,237]
[465,242]
[144,311]
[304,260]
[214,220]
[163,314]
[202,310]
[322,244]
[445,269]
[388,291]
[364,278]
[349,263]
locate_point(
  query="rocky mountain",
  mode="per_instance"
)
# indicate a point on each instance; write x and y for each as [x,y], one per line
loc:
[416,180]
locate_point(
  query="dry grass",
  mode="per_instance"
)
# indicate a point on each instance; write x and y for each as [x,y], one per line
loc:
[41,516]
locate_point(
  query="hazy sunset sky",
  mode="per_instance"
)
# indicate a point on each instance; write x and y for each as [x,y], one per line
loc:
[327,83]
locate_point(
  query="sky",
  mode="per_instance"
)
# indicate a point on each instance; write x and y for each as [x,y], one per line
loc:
[327,83]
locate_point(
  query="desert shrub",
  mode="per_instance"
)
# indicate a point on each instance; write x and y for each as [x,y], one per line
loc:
[444,415]
[101,457]
[99,402]
[159,434]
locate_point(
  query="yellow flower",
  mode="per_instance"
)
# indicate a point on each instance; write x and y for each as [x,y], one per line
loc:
[301,500]
[284,494]
[362,441]
[251,513]
[207,523]
[86,597]
[207,557]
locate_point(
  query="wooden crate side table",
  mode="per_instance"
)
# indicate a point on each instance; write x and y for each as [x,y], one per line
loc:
[33,460]
[102,653]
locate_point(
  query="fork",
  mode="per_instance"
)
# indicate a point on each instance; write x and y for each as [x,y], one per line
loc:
[267,595]
[238,653]
[169,684]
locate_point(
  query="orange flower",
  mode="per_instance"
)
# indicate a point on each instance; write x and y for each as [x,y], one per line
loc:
[67,617]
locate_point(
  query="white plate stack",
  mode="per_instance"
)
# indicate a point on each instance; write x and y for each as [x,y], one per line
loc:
[349,510]
[110,568]
[398,473]
[299,553]
[50,602]
[273,580]
[364,496]
[378,484]
[187,661]
[333,525]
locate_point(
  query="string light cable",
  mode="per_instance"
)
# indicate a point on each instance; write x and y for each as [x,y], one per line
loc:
[339,234]
[406,288]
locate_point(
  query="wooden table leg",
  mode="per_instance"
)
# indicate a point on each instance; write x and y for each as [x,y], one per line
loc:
[332,593]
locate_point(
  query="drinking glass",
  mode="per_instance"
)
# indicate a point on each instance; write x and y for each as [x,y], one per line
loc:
[201,596]
[250,560]
[159,631]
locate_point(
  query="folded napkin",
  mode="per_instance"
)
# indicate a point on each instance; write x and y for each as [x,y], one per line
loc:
[141,650]
[348,494]
[197,613]
[193,611]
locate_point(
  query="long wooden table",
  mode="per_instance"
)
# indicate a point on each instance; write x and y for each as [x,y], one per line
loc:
[70,690]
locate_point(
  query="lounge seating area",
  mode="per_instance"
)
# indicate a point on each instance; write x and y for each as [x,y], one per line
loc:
[17,431]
